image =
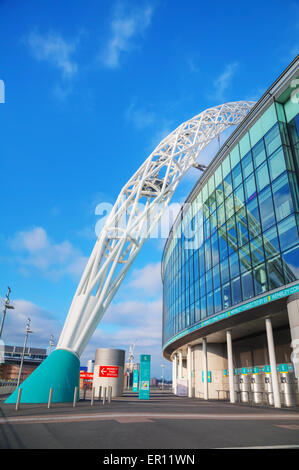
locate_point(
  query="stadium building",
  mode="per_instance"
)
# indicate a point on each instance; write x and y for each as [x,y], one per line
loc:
[230,266]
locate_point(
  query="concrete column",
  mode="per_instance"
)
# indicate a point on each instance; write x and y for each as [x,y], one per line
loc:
[271,350]
[174,372]
[189,371]
[230,366]
[180,365]
[205,368]
[293,313]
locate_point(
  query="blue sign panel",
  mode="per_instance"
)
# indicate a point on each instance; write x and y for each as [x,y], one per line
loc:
[145,373]
[135,380]
[209,376]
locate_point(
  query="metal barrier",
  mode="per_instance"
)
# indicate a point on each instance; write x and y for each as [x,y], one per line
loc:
[18,399]
[7,387]
[50,398]
[92,396]
[109,394]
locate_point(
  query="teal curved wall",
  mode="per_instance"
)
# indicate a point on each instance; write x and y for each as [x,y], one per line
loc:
[60,371]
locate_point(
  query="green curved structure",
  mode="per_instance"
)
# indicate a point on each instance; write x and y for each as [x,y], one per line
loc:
[60,371]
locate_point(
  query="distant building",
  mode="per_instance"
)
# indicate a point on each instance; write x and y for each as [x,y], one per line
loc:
[153,382]
[9,369]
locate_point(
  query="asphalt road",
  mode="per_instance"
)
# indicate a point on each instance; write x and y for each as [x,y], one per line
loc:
[163,422]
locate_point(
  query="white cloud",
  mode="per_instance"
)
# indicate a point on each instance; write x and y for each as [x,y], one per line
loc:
[192,65]
[52,48]
[34,250]
[165,128]
[147,279]
[124,324]
[126,28]
[43,324]
[223,82]
[128,322]
[140,117]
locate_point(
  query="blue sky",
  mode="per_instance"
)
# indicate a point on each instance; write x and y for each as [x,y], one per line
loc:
[89,92]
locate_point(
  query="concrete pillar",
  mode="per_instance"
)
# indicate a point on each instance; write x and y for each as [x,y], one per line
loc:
[180,372]
[205,368]
[189,371]
[174,372]
[230,366]
[293,313]
[109,370]
[271,350]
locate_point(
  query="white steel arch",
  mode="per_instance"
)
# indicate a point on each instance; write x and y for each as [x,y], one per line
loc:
[138,208]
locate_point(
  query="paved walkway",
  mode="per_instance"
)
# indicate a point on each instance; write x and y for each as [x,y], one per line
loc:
[163,422]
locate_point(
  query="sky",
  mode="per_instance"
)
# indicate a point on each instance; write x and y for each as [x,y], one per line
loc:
[90,90]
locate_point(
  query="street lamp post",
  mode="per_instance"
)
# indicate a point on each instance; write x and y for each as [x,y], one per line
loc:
[162,365]
[51,343]
[6,306]
[28,330]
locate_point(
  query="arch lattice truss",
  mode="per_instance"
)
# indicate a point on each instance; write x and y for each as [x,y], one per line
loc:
[137,210]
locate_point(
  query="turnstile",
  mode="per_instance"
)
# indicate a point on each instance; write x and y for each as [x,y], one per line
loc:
[257,388]
[287,388]
[236,384]
[244,382]
[269,388]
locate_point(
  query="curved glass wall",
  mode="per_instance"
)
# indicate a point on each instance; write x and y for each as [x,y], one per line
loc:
[238,238]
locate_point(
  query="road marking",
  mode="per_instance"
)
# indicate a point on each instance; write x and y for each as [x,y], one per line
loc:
[149,416]
[132,419]
[288,426]
[291,446]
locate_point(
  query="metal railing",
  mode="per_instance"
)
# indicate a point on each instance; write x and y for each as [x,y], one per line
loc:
[7,386]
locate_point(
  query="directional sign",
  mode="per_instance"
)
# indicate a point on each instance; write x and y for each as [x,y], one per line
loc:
[108,371]
[144,381]
[135,380]
[86,375]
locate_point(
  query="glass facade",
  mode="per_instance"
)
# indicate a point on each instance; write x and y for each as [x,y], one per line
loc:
[238,236]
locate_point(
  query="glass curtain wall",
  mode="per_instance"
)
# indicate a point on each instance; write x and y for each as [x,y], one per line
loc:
[239,236]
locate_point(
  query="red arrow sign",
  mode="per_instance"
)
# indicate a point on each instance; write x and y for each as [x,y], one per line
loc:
[108,371]
[86,375]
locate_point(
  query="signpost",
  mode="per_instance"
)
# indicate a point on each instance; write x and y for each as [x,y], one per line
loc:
[135,380]
[108,371]
[208,374]
[145,371]
[86,375]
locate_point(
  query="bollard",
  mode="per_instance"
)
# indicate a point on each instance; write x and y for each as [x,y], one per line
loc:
[92,396]
[50,398]
[109,394]
[75,396]
[104,395]
[100,392]
[18,399]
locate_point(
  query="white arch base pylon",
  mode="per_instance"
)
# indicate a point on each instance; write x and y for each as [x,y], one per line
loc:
[138,208]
